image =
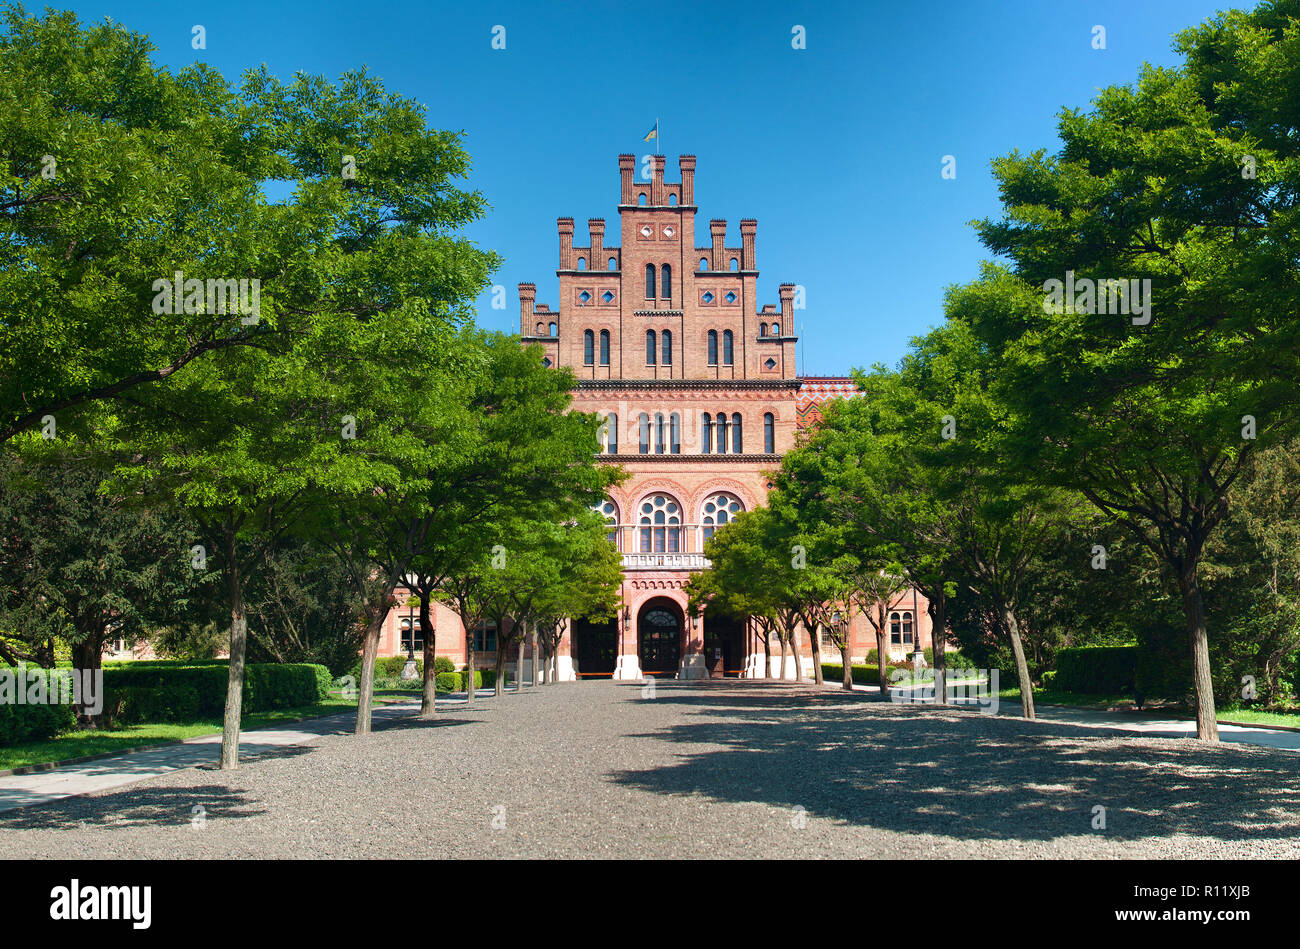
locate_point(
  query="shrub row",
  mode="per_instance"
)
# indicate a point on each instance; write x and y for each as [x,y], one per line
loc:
[1126,670]
[483,679]
[390,667]
[266,686]
[23,722]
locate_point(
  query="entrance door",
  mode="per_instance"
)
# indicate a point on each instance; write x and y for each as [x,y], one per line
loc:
[597,648]
[659,631]
[724,646]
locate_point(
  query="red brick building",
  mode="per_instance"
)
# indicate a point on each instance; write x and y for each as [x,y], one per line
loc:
[670,343]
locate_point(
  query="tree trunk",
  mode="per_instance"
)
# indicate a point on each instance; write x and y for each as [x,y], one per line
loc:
[370,649]
[536,657]
[938,641]
[238,647]
[767,656]
[499,683]
[815,643]
[880,658]
[519,661]
[794,648]
[1207,728]
[781,673]
[87,658]
[1022,667]
[469,668]
[428,697]
[848,670]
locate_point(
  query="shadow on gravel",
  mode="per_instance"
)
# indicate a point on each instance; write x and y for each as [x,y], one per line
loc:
[130,808]
[849,757]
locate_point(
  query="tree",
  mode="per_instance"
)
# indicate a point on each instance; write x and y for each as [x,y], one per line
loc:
[1181,186]
[96,565]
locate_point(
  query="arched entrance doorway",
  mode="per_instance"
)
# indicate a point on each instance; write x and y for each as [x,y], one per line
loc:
[724,646]
[659,637]
[596,646]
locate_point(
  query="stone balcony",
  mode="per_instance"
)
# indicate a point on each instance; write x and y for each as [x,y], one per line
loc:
[665,562]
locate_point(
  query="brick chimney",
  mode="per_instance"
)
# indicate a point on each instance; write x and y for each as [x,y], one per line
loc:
[527,297]
[718,229]
[657,197]
[565,227]
[626,164]
[748,230]
[596,228]
[686,163]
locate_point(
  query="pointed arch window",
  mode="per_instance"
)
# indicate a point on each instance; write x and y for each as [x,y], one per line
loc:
[609,511]
[650,347]
[719,510]
[667,272]
[737,447]
[649,281]
[604,347]
[713,347]
[769,433]
[588,348]
[660,521]
[728,348]
[666,337]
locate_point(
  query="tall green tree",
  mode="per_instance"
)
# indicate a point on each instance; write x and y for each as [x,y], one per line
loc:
[1187,179]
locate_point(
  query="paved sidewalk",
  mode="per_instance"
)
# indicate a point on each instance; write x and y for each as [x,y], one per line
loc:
[24,790]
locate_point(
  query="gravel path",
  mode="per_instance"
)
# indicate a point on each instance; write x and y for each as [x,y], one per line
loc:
[707,769]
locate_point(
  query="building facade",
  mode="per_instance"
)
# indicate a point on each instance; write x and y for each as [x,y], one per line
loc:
[696,379]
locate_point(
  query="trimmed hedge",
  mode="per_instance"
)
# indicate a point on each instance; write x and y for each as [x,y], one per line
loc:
[266,685]
[1101,670]
[22,722]
[870,674]
[455,681]
[132,705]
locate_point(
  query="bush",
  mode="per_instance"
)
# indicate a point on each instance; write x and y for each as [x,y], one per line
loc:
[37,722]
[266,685]
[1105,670]
[133,704]
[443,664]
[455,681]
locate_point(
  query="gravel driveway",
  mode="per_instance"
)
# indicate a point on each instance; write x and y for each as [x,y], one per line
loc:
[713,769]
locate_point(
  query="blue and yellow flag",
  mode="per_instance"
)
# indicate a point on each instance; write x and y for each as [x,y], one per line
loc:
[653,133]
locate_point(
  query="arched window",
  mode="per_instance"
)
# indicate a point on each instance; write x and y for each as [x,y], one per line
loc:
[675,434]
[659,433]
[604,347]
[719,509]
[776,329]
[667,272]
[667,347]
[649,281]
[707,445]
[735,264]
[588,348]
[713,347]
[895,629]
[672,199]
[650,347]
[643,442]
[582,263]
[613,263]
[736,441]
[720,421]
[762,329]
[540,329]
[704,263]
[661,525]
[769,433]
[907,628]
[609,510]
[640,199]
[611,433]
[552,329]
[728,349]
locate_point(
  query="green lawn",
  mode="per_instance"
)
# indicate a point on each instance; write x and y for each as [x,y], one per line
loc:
[98,741]
[1242,716]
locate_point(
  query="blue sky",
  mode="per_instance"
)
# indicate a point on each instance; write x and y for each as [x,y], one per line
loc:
[835,149]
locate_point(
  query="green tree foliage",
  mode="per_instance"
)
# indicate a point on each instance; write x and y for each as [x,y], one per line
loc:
[1187,179]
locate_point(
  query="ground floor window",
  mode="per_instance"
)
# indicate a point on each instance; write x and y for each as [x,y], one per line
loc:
[485,638]
[409,645]
[900,628]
